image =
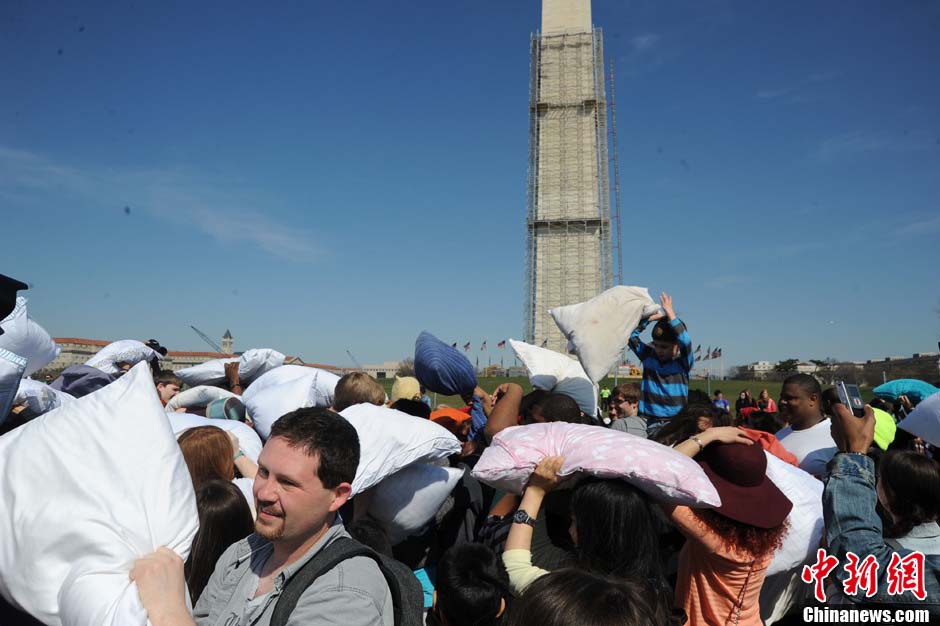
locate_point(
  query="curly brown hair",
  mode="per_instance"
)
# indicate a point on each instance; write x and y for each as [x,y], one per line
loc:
[738,536]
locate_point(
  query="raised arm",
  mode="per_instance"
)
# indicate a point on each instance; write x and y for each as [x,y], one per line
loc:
[505,413]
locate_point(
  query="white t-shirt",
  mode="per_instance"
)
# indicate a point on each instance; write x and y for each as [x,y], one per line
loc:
[812,447]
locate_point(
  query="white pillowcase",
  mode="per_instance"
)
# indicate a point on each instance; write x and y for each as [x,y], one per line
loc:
[248,439]
[924,420]
[806,516]
[123,351]
[391,440]
[558,373]
[197,396]
[407,500]
[252,364]
[22,336]
[39,397]
[285,389]
[85,490]
[598,330]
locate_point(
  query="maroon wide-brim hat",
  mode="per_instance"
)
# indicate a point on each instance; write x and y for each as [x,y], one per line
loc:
[739,473]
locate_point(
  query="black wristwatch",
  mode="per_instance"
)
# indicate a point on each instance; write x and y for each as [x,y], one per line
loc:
[521,517]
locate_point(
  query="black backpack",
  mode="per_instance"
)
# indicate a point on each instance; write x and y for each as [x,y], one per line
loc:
[407,595]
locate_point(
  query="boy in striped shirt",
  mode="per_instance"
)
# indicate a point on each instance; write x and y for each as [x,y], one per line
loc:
[666,366]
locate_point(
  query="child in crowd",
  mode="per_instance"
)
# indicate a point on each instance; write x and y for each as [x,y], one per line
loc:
[666,366]
[472,588]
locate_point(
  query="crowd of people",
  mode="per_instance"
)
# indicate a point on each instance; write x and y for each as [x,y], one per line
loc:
[284,541]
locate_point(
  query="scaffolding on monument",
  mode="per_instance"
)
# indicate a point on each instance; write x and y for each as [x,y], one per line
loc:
[568,239]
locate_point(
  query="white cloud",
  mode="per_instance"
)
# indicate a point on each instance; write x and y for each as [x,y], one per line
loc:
[641,43]
[919,227]
[169,194]
[859,143]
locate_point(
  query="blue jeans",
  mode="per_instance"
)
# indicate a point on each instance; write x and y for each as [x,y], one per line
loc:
[852,525]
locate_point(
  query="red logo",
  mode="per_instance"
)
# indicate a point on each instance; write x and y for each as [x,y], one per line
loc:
[817,573]
[907,574]
[862,575]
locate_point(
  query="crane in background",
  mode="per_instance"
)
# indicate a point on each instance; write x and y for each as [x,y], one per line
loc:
[356,362]
[205,338]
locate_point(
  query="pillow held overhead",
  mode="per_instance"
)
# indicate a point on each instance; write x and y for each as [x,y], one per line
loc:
[598,330]
[552,371]
[114,487]
[252,364]
[924,420]
[125,351]
[390,440]
[285,389]
[22,336]
[441,368]
[663,473]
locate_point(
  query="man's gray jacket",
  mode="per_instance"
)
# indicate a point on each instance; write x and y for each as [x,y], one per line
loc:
[353,593]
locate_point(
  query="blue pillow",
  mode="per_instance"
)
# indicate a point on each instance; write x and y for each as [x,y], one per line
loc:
[441,368]
[916,390]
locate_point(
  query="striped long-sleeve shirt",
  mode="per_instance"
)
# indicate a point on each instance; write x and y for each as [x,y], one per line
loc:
[664,390]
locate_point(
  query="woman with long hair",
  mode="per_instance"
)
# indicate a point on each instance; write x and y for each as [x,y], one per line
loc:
[765,402]
[214,454]
[207,451]
[728,549]
[613,527]
[224,518]
[909,492]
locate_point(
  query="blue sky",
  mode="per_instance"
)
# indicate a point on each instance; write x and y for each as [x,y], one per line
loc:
[328,176]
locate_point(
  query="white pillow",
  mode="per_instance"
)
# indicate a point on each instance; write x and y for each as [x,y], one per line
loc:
[598,330]
[39,397]
[248,439]
[124,351]
[22,336]
[390,440]
[407,500]
[552,371]
[12,367]
[197,396]
[285,389]
[85,490]
[924,420]
[252,364]
[806,517]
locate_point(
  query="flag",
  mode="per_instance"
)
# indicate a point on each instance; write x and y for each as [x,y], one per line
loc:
[708,354]
[719,353]
[483,347]
[501,344]
[466,347]
[697,350]
[545,342]
[453,345]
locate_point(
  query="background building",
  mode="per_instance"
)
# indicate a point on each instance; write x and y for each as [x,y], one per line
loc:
[568,239]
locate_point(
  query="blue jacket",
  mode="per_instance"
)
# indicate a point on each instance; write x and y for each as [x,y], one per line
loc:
[852,525]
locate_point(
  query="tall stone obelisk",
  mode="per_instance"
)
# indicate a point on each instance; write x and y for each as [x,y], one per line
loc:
[568,254]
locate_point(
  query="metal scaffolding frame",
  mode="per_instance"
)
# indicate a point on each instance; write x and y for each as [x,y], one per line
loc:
[568,236]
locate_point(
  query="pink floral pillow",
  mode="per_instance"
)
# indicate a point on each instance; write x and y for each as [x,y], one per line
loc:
[663,473]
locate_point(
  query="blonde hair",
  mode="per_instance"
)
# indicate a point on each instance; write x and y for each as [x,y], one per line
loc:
[356,388]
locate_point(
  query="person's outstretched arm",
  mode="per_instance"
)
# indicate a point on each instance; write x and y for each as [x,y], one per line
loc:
[508,397]
[517,553]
